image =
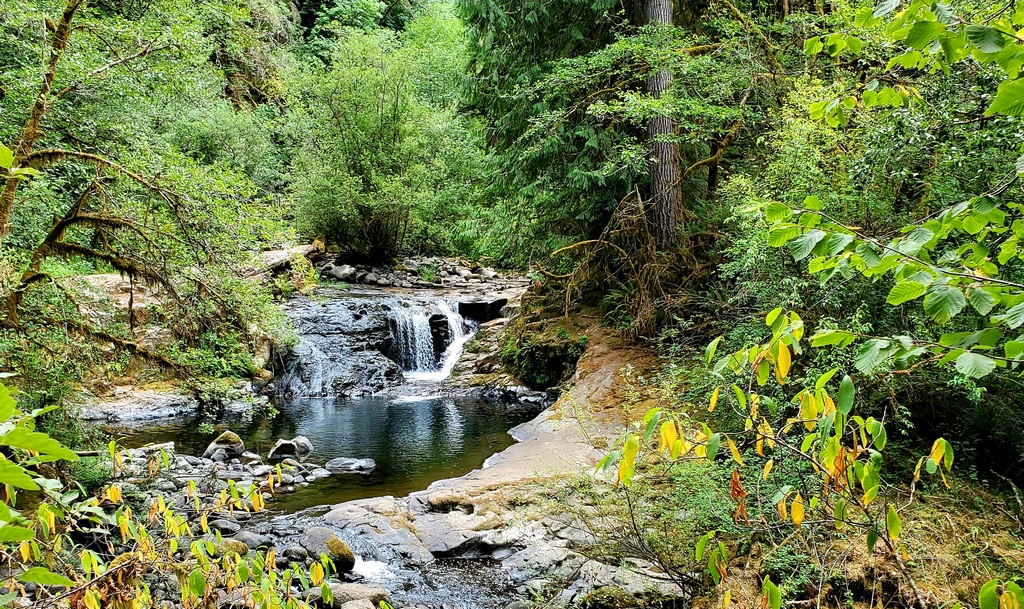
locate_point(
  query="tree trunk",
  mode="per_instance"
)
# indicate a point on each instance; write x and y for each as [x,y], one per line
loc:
[30,132]
[664,200]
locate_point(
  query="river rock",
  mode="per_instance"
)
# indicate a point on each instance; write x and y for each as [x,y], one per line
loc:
[344,273]
[229,442]
[321,540]
[346,593]
[299,447]
[348,465]
[253,540]
[141,406]
[225,526]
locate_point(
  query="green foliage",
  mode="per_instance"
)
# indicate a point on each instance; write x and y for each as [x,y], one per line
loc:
[385,165]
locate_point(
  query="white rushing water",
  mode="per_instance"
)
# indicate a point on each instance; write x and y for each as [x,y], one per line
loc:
[459,333]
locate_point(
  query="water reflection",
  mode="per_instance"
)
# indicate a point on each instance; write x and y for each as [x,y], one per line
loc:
[414,441]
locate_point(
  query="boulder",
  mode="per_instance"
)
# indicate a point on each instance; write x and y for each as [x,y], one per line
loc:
[299,447]
[344,273]
[229,442]
[347,593]
[225,526]
[348,465]
[140,406]
[253,540]
[321,540]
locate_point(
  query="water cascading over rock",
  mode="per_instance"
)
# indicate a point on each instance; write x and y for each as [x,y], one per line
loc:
[351,345]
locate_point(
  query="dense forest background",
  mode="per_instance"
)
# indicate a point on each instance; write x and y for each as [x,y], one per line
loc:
[684,168]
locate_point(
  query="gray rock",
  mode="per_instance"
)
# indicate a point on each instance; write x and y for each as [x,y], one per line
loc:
[346,593]
[253,540]
[299,447]
[229,442]
[348,465]
[363,603]
[226,527]
[320,472]
[219,456]
[141,406]
[370,278]
[296,553]
[344,273]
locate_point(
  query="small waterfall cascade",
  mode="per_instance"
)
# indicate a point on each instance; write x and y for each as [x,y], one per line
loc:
[363,344]
[459,332]
[412,337]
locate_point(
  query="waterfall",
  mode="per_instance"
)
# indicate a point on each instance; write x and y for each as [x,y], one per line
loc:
[363,344]
[459,332]
[412,339]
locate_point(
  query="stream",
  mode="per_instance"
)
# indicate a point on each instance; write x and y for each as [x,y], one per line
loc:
[365,381]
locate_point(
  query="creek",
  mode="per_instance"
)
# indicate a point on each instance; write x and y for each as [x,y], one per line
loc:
[365,381]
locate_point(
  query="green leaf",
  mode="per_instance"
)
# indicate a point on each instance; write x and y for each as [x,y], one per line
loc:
[7,404]
[974,365]
[1009,99]
[777,212]
[6,157]
[872,540]
[844,403]
[871,354]
[892,523]
[988,596]
[22,437]
[813,46]
[833,337]
[884,7]
[854,44]
[985,39]
[904,291]
[45,577]
[981,300]
[943,302]
[15,475]
[781,234]
[1013,317]
[197,583]
[802,246]
[702,543]
[922,34]
[13,533]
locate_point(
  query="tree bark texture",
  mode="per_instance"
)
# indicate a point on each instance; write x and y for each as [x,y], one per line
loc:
[664,199]
[30,132]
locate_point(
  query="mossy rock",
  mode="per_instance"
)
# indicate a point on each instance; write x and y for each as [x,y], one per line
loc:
[608,597]
[342,556]
[230,546]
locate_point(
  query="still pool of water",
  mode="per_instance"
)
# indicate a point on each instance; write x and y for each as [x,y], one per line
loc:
[414,440]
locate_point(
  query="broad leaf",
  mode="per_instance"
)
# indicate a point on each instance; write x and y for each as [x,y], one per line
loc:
[1009,99]
[943,302]
[923,33]
[15,475]
[904,291]
[6,157]
[802,246]
[44,577]
[985,39]
[974,365]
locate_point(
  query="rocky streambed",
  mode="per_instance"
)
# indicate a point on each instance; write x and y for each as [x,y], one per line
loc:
[437,521]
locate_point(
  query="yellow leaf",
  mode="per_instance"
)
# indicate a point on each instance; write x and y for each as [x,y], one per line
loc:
[759,446]
[782,508]
[767,469]
[783,363]
[204,523]
[316,574]
[830,406]
[714,399]
[735,451]
[727,599]
[26,551]
[938,451]
[798,509]
[669,435]
[808,410]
